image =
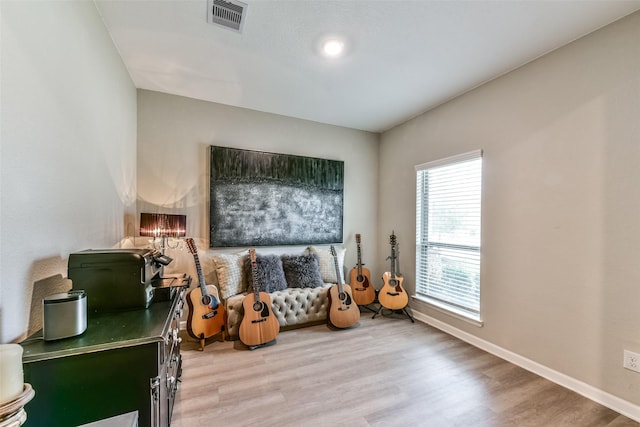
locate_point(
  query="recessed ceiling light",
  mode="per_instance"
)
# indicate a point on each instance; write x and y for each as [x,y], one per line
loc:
[333,48]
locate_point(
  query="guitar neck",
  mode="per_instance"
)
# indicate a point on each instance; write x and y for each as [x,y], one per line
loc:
[338,275]
[393,262]
[359,264]
[203,285]
[254,275]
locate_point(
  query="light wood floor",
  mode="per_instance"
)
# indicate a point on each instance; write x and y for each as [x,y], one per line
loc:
[385,372]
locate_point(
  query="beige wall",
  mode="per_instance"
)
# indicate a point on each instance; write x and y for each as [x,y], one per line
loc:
[174,135]
[561,207]
[68,135]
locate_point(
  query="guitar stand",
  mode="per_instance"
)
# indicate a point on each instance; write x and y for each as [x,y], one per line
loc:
[375,301]
[267,344]
[366,306]
[202,340]
[403,310]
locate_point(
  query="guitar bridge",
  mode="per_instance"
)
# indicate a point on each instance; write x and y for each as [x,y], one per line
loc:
[259,320]
[393,294]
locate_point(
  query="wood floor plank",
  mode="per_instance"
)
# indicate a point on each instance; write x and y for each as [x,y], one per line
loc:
[384,372]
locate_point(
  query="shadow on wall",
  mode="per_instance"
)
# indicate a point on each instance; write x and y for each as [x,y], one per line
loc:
[41,289]
[45,278]
[53,283]
[179,188]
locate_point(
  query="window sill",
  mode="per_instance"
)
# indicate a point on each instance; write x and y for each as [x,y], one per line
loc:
[450,311]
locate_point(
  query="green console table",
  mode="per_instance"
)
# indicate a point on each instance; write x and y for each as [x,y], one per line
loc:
[125,361]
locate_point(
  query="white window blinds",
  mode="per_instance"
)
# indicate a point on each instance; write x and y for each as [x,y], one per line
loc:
[448,200]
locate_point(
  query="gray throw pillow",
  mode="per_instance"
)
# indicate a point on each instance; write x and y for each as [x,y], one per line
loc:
[302,271]
[269,273]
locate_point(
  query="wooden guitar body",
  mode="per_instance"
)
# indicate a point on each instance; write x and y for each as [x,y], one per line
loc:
[259,325]
[207,316]
[363,292]
[343,311]
[392,295]
[203,321]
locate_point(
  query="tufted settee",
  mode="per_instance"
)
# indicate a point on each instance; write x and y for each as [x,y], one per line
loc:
[299,295]
[294,307]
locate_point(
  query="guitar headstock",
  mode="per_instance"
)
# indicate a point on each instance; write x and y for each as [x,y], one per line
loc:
[392,238]
[191,245]
[333,251]
[252,255]
[357,238]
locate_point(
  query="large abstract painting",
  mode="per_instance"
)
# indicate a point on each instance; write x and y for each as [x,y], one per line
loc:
[269,199]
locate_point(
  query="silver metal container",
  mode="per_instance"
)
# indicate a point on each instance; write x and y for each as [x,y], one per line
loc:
[64,315]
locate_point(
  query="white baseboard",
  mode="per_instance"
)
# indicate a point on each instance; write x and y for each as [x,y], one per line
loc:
[622,406]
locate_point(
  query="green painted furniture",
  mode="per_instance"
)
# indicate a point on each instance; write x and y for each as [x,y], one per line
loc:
[125,361]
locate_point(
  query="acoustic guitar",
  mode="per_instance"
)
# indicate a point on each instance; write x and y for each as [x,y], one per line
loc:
[343,310]
[206,313]
[363,292]
[259,325]
[392,295]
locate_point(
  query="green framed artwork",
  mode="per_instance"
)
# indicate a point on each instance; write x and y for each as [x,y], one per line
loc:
[269,199]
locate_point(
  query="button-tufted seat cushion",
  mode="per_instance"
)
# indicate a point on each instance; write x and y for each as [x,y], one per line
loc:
[292,307]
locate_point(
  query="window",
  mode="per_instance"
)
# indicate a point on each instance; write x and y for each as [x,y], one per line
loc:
[448,201]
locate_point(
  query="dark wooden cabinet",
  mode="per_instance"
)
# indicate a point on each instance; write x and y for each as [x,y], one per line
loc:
[125,361]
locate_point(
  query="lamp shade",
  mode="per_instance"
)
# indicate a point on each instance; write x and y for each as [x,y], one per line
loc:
[159,225]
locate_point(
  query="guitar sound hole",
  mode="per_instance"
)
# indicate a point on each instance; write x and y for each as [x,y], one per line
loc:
[393,282]
[360,278]
[257,306]
[206,299]
[342,296]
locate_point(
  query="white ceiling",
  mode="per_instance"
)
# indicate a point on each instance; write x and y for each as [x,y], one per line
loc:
[403,57]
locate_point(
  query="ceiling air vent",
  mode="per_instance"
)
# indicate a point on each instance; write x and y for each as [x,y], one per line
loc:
[228,13]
